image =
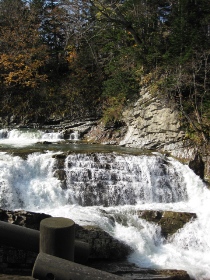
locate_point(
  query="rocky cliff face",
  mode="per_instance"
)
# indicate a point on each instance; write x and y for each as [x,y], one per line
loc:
[152,124]
[149,123]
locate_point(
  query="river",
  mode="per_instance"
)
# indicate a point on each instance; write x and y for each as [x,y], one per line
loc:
[120,181]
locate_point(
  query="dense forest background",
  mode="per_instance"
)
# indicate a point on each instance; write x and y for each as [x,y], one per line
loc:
[73,58]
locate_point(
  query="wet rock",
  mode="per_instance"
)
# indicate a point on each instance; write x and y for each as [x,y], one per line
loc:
[69,126]
[60,161]
[197,165]
[132,272]
[44,143]
[60,174]
[170,222]
[23,218]
[103,246]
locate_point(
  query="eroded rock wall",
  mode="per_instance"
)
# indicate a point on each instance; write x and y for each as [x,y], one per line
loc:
[153,124]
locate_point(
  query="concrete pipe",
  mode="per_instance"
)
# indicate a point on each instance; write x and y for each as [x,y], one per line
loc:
[48,267]
[57,236]
[29,240]
[19,237]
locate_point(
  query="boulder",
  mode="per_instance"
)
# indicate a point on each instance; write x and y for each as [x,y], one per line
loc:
[103,246]
[169,221]
[23,218]
[112,135]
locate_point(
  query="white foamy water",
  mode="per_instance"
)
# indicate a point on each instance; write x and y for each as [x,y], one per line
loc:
[101,179]
[18,138]
[74,136]
[118,185]
[29,184]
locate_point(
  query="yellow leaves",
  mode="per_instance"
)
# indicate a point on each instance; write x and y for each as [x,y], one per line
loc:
[4,61]
[25,78]
[21,69]
[71,56]
[98,15]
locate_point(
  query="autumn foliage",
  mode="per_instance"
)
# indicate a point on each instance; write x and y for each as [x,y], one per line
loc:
[21,55]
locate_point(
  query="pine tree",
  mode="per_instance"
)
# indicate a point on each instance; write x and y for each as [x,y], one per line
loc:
[53,32]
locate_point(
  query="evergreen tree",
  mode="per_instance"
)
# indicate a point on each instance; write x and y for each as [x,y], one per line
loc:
[187,61]
[53,32]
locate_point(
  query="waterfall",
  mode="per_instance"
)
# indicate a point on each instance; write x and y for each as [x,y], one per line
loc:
[103,186]
[74,136]
[29,184]
[109,179]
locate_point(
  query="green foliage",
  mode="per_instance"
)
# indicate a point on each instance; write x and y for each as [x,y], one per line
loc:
[121,82]
[113,107]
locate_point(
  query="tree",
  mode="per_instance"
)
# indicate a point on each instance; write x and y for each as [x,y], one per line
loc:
[188,64]
[53,32]
[21,53]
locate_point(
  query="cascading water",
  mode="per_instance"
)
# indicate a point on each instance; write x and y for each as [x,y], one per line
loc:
[101,179]
[74,136]
[29,184]
[22,137]
[120,185]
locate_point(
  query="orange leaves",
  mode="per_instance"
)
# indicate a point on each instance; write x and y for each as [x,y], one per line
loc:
[21,70]
[22,54]
[71,55]
[4,61]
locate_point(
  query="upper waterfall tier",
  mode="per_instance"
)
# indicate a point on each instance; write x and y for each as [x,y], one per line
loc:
[21,137]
